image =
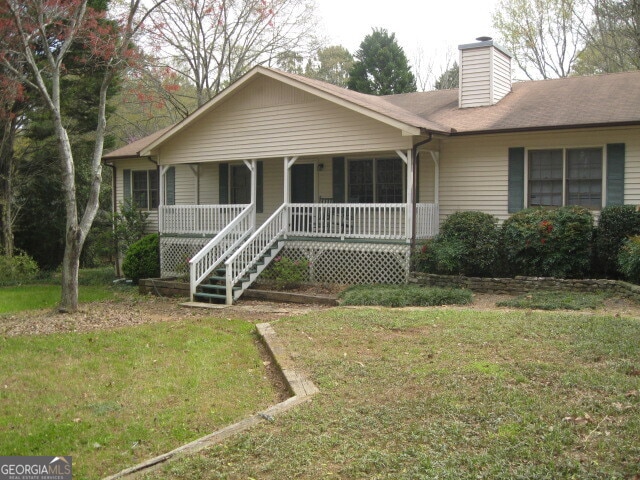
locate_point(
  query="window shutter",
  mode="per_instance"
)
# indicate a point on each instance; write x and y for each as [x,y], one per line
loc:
[615,173]
[126,184]
[223,179]
[338,180]
[260,187]
[516,179]
[170,183]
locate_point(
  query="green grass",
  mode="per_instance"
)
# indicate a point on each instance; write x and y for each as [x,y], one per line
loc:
[404,296]
[556,301]
[448,394]
[114,398]
[33,297]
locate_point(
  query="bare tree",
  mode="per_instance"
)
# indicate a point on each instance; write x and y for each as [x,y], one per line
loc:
[543,35]
[213,42]
[41,36]
[612,37]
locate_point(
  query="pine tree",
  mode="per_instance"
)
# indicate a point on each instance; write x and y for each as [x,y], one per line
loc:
[381,66]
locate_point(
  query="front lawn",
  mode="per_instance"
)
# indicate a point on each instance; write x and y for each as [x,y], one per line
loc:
[114,398]
[448,394]
[33,297]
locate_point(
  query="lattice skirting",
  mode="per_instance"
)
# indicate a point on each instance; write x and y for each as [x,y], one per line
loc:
[351,263]
[175,253]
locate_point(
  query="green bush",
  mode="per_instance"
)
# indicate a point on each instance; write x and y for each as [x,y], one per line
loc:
[548,242]
[404,296]
[17,269]
[288,273]
[467,244]
[143,259]
[629,259]
[615,225]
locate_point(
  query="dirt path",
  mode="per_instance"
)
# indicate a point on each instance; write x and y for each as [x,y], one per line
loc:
[142,310]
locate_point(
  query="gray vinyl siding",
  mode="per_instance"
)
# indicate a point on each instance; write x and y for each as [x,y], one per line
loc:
[474,169]
[135,164]
[273,120]
[485,76]
[501,81]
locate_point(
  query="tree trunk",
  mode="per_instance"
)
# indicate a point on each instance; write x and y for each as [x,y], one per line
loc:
[6,185]
[70,269]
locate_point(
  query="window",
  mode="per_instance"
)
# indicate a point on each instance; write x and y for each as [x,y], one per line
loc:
[570,176]
[375,181]
[144,188]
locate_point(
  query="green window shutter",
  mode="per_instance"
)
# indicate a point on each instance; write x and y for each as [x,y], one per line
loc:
[615,173]
[338,180]
[516,179]
[260,187]
[126,184]
[170,183]
[223,182]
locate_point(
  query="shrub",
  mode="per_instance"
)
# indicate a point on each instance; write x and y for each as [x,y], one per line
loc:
[19,268]
[404,296]
[629,259]
[130,224]
[548,242]
[288,273]
[143,259]
[616,224]
[467,244]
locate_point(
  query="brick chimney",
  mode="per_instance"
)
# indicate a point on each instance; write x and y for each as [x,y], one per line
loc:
[485,73]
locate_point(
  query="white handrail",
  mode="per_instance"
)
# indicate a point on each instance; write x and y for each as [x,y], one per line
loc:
[196,219]
[254,248]
[219,248]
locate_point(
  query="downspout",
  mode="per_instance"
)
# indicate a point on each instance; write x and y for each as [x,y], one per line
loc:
[414,159]
[114,197]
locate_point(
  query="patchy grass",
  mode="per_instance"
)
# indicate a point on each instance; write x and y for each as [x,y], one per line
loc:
[404,296]
[114,398]
[448,394]
[556,301]
[34,297]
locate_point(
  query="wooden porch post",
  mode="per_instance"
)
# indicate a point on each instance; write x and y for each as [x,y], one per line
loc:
[408,160]
[254,190]
[161,194]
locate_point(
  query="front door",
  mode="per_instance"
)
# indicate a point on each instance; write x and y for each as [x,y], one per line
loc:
[302,183]
[240,185]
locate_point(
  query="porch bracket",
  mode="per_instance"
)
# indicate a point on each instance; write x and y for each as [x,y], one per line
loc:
[404,158]
[249,164]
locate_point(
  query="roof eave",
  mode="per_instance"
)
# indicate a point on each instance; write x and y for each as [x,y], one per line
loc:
[455,133]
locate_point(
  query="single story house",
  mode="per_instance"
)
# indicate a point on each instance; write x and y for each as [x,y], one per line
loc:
[279,164]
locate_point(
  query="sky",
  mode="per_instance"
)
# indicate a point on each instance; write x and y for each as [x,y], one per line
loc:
[430,30]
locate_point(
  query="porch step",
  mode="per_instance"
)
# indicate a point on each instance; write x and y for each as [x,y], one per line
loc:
[213,290]
[210,297]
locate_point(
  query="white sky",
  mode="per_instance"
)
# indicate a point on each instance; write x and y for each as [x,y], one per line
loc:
[429,29]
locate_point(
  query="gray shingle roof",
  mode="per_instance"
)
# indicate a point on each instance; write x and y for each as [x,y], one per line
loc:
[574,102]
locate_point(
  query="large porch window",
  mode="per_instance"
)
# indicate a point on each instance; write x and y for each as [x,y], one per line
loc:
[377,180]
[144,188]
[571,176]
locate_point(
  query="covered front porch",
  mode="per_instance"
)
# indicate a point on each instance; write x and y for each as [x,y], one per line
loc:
[366,241]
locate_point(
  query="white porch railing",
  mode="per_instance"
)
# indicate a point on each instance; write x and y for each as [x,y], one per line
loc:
[256,246]
[196,219]
[427,220]
[220,247]
[376,221]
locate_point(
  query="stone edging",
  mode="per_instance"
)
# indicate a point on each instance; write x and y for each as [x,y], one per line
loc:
[300,386]
[519,285]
